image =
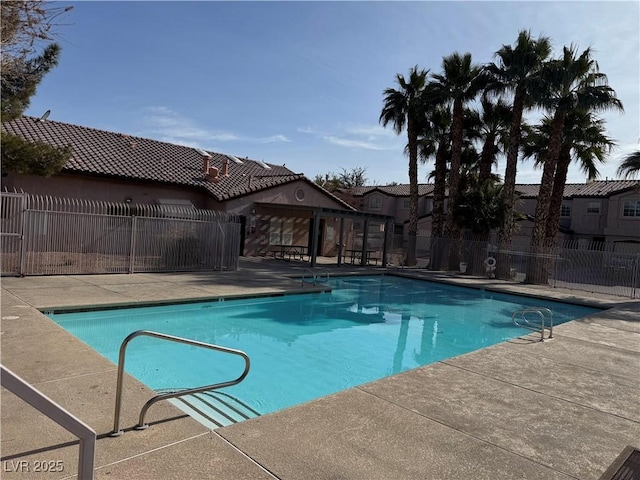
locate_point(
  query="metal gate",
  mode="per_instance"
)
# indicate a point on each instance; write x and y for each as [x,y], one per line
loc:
[12,207]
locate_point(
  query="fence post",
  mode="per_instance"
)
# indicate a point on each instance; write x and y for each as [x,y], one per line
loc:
[132,248]
[22,254]
[221,259]
[636,276]
[554,259]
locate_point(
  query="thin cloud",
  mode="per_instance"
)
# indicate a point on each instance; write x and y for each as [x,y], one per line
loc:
[274,139]
[310,131]
[371,131]
[345,142]
[169,126]
[363,137]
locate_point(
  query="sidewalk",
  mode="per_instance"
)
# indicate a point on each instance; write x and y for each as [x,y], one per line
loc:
[562,409]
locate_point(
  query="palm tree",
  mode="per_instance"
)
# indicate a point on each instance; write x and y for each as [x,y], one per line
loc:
[630,166]
[402,108]
[481,209]
[459,83]
[517,70]
[584,140]
[574,83]
[436,140]
[494,128]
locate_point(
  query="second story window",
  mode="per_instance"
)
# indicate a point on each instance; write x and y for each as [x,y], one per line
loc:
[593,207]
[565,209]
[375,203]
[631,208]
[406,203]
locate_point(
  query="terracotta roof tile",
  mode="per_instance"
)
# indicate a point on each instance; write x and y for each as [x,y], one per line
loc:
[401,190]
[98,152]
[603,188]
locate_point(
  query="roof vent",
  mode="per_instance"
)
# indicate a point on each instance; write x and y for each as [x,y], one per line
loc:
[205,160]
[263,165]
[212,175]
[234,159]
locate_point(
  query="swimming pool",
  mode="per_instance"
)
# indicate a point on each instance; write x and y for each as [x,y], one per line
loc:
[307,346]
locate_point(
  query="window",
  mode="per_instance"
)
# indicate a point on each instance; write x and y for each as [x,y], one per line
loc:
[593,207]
[631,208]
[281,231]
[299,194]
[375,203]
[406,203]
[565,209]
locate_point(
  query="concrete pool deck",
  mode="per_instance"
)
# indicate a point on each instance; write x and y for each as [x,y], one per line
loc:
[561,409]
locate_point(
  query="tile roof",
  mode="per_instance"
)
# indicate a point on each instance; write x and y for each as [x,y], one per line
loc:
[401,190]
[116,155]
[603,188]
[599,188]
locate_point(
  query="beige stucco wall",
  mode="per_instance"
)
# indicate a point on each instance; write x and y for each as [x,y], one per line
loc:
[259,222]
[585,223]
[104,189]
[283,195]
[394,206]
[619,227]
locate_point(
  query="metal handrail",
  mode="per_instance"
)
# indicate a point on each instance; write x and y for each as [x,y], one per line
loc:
[304,275]
[540,311]
[314,276]
[164,396]
[55,412]
[325,272]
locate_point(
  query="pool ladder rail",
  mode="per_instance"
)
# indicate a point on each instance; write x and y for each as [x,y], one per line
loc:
[171,394]
[312,277]
[543,314]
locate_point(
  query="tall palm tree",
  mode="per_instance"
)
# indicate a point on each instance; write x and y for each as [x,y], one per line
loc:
[459,82]
[494,129]
[517,70]
[403,108]
[574,83]
[584,141]
[630,166]
[436,140]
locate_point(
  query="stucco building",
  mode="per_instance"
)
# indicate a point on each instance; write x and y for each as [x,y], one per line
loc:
[275,204]
[599,211]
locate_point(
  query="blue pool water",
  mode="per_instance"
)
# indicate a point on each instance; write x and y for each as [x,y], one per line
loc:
[307,346]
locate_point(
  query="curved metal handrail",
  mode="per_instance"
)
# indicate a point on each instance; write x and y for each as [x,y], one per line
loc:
[164,396]
[304,275]
[540,311]
[315,277]
[326,275]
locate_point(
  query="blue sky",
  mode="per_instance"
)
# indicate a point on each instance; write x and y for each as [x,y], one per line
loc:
[300,83]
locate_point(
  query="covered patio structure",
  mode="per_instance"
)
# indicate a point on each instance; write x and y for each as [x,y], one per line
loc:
[309,232]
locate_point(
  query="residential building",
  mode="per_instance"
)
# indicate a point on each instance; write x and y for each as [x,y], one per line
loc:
[598,211]
[276,205]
